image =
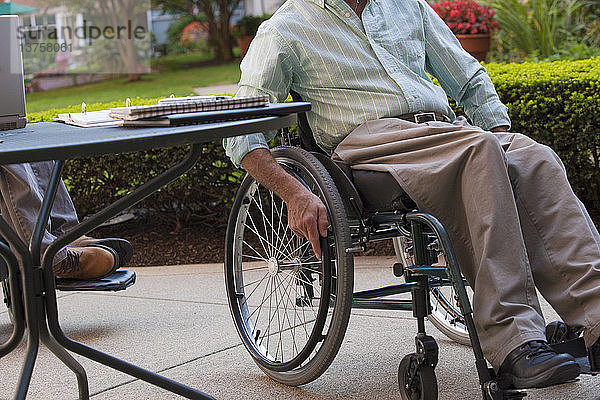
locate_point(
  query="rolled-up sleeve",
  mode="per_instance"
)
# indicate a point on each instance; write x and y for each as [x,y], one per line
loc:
[461,75]
[265,69]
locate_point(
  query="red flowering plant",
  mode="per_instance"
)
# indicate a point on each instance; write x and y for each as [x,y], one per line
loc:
[466,16]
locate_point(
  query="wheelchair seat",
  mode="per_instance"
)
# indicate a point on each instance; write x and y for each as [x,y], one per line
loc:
[379,191]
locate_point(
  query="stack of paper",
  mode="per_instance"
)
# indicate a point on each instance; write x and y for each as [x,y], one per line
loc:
[89,119]
[187,99]
[170,106]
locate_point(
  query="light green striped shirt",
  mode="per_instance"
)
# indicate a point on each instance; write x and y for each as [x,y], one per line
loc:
[353,71]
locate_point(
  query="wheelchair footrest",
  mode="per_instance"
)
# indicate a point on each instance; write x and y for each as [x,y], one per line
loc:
[576,348]
[584,364]
[118,280]
[428,270]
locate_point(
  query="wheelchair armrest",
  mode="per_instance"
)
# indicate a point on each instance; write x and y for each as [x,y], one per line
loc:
[307,139]
[343,182]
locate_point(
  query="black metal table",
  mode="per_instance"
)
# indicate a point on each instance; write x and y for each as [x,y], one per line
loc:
[30,273]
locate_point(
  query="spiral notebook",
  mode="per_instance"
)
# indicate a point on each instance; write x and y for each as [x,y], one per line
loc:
[192,105]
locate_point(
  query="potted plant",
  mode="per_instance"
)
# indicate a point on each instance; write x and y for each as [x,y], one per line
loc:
[472,23]
[245,29]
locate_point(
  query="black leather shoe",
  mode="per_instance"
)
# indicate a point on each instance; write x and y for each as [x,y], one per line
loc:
[594,356]
[535,365]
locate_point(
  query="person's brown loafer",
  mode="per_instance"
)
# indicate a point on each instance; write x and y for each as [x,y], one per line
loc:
[536,365]
[121,246]
[86,263]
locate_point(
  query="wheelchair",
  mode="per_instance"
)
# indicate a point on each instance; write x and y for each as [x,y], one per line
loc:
[291,309]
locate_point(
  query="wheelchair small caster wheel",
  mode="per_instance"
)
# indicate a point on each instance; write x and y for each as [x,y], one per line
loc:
[416,381]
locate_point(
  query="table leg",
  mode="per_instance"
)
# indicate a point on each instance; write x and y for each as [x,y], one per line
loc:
[86,226]
[31,304]
[68,360]
[15,299]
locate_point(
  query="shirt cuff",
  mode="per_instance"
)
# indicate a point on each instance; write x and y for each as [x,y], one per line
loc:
[238,146]
[491,115]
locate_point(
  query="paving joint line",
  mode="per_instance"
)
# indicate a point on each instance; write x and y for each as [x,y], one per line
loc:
[156,299]
[167,369]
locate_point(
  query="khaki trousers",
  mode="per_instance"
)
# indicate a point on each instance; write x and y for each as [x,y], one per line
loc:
[511,214]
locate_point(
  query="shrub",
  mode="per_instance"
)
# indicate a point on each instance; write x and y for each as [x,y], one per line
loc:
[248,25]
[554,103]
[558,104]
[181,41]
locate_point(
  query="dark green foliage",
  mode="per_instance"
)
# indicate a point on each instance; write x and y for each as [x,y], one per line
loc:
[204,193]
[558,104]
[248,25]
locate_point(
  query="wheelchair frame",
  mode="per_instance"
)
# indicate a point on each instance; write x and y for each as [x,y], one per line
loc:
[416,375]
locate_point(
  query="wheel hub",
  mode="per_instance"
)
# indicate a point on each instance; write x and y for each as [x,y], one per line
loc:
[273,266]
[297,264]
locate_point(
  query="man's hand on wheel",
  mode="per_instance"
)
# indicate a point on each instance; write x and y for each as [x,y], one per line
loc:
[307,217]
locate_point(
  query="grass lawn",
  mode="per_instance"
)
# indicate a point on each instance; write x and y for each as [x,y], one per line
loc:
[179,82]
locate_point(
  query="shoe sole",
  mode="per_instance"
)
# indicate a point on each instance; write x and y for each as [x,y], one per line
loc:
[559,374]
[121,246]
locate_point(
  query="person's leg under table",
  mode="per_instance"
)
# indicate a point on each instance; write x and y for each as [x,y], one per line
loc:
[20,201]
[63,215]
[22,188]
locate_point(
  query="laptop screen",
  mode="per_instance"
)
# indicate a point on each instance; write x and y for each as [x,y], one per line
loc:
[12,98]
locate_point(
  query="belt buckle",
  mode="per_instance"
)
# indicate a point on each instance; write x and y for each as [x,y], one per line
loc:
[424,117]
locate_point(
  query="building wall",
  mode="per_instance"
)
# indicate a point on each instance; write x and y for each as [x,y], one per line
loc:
[260,7]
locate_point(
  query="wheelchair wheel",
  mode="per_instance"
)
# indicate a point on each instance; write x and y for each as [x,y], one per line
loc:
[290,309]
[445,310]
[416,381]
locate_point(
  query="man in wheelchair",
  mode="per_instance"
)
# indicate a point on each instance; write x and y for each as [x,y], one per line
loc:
[505,200]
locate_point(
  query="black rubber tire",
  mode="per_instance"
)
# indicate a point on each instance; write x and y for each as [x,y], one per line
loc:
[8,300]
[331,287]
[424,384]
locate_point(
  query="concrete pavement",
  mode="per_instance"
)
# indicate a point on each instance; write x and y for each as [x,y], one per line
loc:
[175,320]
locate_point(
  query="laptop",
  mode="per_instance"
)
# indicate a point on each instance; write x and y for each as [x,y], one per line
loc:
[12,100]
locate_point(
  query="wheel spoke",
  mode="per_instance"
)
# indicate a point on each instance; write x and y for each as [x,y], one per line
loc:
[254,250]
[285,227]
[263,241]
[273,316]
[259,309]
[266,220]
[254,258]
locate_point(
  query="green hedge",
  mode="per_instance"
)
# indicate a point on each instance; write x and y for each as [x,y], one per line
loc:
[555,103]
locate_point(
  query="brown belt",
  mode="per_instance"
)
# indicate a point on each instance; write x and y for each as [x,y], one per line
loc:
[425,116]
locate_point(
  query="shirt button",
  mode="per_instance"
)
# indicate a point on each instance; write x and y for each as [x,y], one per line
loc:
[347,15]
